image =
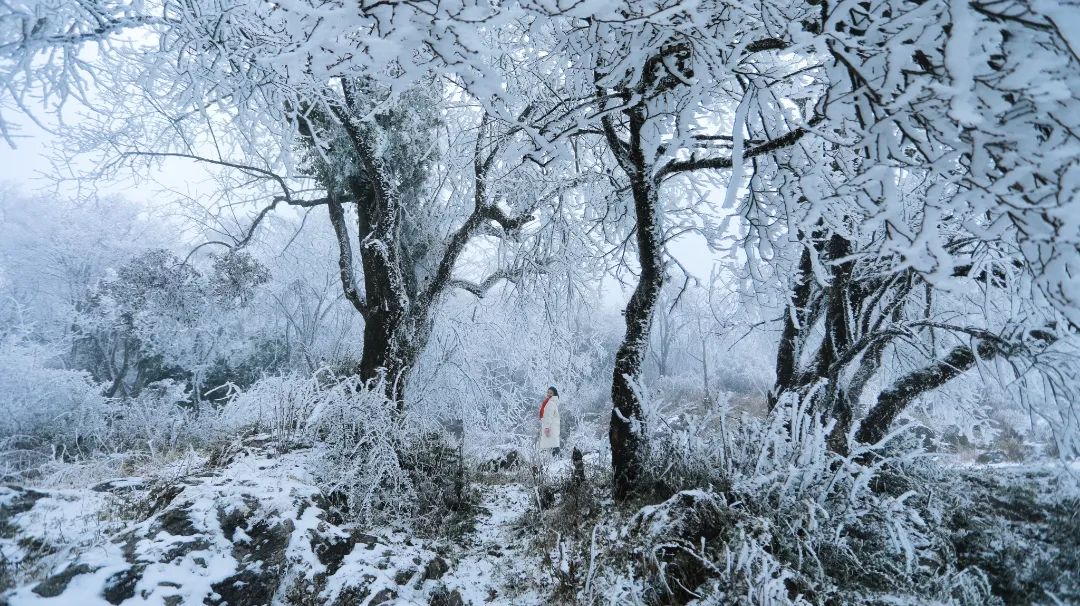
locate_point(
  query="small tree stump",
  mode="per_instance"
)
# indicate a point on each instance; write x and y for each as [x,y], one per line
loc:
[578,460]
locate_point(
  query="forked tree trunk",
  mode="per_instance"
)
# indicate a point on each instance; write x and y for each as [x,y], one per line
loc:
[398,313]
[838,302]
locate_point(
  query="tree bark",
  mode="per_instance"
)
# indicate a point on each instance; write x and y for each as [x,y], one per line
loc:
[386,300]
[345,256]
[627,429]
[868,367]
[379,215]
[893,400]
[837,341]
[787,352]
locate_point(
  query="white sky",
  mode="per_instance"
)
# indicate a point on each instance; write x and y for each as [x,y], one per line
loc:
[20,165]
[28,165]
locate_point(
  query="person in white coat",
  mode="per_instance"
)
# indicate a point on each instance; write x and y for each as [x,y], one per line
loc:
[549,423]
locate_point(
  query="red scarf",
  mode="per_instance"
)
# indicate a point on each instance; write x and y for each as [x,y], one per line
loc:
[543,405]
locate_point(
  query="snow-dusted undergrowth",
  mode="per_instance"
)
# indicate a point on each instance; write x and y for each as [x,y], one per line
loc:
[760,513]
[334,498]
[256,529]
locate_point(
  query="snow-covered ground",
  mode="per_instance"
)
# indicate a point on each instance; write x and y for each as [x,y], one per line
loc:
[256,531]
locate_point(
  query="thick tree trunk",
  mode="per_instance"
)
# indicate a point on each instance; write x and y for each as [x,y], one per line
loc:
[387,301]
[383,358]
[795,320]
[837,341]
[627,430]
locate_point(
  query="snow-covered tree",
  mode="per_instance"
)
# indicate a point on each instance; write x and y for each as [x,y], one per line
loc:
[928,220]
[55,251]
[885,161]
[159,318]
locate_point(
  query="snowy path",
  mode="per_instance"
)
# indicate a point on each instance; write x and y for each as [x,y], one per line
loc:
[492,566]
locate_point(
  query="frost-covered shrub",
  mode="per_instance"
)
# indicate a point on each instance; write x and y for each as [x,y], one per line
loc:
[1019,524]
[279,405]
[158,421]
[44,411]
[53,419]
[762,512]
[158,317]
[375,462]
[384,463]
[685,389]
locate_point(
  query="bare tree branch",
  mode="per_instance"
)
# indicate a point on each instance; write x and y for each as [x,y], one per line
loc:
[345,257]
[674,167]
[481,288]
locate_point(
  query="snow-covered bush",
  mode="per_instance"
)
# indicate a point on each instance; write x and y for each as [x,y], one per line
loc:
[45,411]
[53,418]
[375,461]
[763,512]
[159,318]
[382,462]
[278,405]
[156,422]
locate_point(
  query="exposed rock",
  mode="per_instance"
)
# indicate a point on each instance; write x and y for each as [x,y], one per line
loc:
[330,550]
[22,502]
[57,584]
[236,517]
[383,597]
[369,541]
[351,595]
[121,586]
[263,560]
[435,569]
[186,530]
[444,597]
[161,496]
[177,522]
[181,549]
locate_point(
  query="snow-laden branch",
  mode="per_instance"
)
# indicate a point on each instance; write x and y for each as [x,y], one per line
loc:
[675,167]
[479,289]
